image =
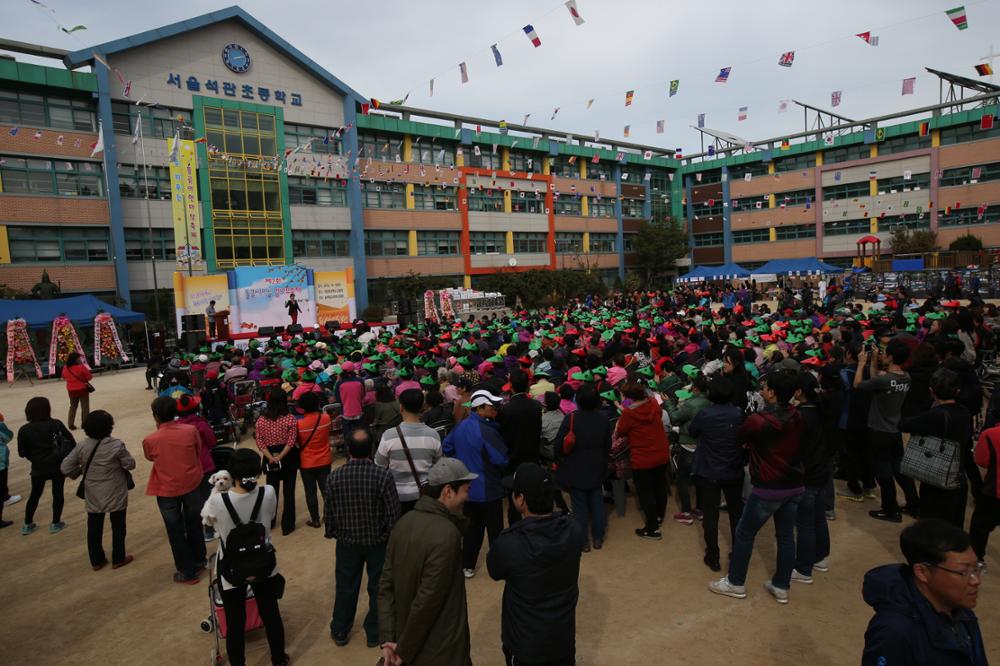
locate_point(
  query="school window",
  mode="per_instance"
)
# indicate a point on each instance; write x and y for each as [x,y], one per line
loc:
[487,242]
[795,232]
[314,192]
[380,147]
[748,204]
[751,236]
[567,205]
[966,133]
[529,203]
[796,198]
[30,245]
[45,111]
[387,243]
[847,191]
[19,175]
[970,174]
[530,242]
[707,240]
[486,159]
[910,222]
[241,133]
[847,154]
[526,162]
[383,195]
[569,242]
[709,177]
[602,243]
[796,163]
[318,139]
[486,201]
[561,166]
[601,207]
[846,227]
[962,217]
[141,244]
[427,151]
[633,208]
[706,209]
[428,197]
[901,144]
[438,243]
[741,170]
[599,171]
[628,243]
[321,243]
[917,181]
[157,122]
[133,182]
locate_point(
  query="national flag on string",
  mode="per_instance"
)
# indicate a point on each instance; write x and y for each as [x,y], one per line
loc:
[924,128]
[782,105]
[496,54]
[976,172]
[984,70]
[835,98]
[748,176]
[626,130]
[873,175]
[986,122]
[98,146]
[503,126]
[785,145]
[37,135]
[375,104]
[127,89]
[786,59]
[647,155]
[595,159]
[400,102]
[871,39]
[597,135]
[678,154]
[957,16]
[701,120]
[529,30]
[572,160]
[70,31]
[908,85]
[723,75]
[674,86]
[464,71]
[828,139]
[13,131]
[554,112]
[742,114]
[628,97]
[659,126]
[711,151]
[61,139]
[526,116]
[432,88]
[365,108]
[571,6]
[620,156]
[590,103]
[476,151]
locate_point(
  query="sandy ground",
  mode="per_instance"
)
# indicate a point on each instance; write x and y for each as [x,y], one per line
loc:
[640,602]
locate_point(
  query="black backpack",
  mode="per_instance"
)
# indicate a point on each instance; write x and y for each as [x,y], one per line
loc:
[246,554]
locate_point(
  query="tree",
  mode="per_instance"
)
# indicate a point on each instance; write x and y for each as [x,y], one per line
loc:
[917,241]
[968,242]
[659,244]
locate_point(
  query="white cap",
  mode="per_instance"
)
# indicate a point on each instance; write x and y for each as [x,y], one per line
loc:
[482,397]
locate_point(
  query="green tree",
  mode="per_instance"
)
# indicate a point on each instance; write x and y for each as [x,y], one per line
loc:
[659,244]
[905,241]
[968,242]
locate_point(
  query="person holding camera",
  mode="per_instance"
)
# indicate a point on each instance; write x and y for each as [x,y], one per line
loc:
[242,519]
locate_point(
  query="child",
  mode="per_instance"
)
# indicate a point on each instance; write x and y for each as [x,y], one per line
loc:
[5,436]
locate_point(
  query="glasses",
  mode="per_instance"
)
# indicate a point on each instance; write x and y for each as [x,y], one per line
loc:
[977,570]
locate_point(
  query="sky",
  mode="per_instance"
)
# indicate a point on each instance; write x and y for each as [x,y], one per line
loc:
[388,48]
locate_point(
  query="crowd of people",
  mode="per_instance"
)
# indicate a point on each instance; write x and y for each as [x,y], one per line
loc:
[744,410]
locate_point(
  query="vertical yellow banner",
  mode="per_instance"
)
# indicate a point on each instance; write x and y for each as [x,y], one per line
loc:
[186,210]
[4,246]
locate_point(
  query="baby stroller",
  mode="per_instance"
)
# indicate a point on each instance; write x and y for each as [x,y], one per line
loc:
[242,394]
[215,408]
[333,410]
[216,620]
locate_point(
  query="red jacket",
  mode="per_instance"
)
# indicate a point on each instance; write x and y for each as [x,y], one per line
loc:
[76,377]
[987,455]
[175,451]
[647,439]
[774,437]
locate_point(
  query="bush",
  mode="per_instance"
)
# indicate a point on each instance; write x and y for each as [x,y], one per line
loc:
[968,242]
[543,287]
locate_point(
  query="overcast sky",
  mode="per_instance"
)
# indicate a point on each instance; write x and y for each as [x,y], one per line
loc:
[386,48]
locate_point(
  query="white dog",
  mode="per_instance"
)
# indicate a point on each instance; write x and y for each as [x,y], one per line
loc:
[221,481]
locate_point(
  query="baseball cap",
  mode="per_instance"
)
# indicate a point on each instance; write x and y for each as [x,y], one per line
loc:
[483,397]
[449,470]
[528,479]
[347,366]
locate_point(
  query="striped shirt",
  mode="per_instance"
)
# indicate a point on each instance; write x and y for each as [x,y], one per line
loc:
[425,447]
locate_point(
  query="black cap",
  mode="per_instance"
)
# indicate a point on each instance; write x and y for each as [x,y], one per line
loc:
[529,479]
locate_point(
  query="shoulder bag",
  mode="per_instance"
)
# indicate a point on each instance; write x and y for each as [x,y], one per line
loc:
[61,447]
[569,439]
[80,488]
[90,387]
[421,487]
[934,460]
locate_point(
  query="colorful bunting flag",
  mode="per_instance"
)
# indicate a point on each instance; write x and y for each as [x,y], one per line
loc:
[869,38]
[957,16]
[785,144]
[70,31]
[526,116]
[620,156]
[571,6]
[986,122]
[723,75]
[647,155]
[590,103]
[908,85]
[432,88]
[984,70]
[782,105]
[595,159]
[659,126]
[701,120]
[503,126]
[976,172]
[375,104]
[98,146]
[626,130]
[748,176]
[465,72]
[628,97]
[828,139]
[496,55]
[835,98]
[529,30]
[13,131]
[742,114]
[786,59]
[674,86]
[554,112]
[365,107]
[711,151]
[924,128]
[873,175]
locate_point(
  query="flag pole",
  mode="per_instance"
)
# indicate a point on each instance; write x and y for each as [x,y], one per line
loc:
[149,219]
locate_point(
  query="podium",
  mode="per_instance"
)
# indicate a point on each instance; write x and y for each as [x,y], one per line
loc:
[221,324]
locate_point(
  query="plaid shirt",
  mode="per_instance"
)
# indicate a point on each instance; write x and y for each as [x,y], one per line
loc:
[361,503]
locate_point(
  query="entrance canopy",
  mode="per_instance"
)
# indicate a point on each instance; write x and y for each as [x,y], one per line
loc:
[81,309]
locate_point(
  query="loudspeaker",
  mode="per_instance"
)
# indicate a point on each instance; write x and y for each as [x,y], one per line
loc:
[278,330]
[332,325]
[294,329]
[193,341]
[265,331]
[192,322]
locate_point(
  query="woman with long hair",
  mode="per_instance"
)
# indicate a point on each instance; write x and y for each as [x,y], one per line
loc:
[277,438]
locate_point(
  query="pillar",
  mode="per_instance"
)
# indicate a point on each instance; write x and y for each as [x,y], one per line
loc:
[509,242]
[586,242]
[412,242]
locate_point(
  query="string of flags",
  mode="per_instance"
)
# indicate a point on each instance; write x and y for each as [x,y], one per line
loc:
[835,98]
[529,30]
[628,97]
[574,12]
[869,38]
[908,85]
[957,16]
[786,59]
[723,75]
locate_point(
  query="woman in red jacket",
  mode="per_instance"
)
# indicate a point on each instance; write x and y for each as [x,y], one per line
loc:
[77,376]
[649,450]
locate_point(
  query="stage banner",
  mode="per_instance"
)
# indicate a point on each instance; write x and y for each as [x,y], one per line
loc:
[193,293]
[186,211]
[263,291]
[335,297]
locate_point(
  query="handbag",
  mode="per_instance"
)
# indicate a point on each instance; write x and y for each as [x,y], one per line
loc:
[90,387]
[61,447]
[934,460]
[80,488]
[421,487]
[569,439]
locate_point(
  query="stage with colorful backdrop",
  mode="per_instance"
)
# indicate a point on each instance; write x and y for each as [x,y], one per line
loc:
[257,297]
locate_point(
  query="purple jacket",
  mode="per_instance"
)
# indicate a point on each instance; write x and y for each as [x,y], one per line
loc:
[207,440]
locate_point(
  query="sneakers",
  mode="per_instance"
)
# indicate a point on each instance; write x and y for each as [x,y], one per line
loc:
[697,513]
[653,535]
[869,493]
[780,595]
[28,529]
[56,527]
[886,516]
[831,515]
[801,578]
[684,518]
[13,499]
[851,496]
[823,566]
[727,589]
[468,573]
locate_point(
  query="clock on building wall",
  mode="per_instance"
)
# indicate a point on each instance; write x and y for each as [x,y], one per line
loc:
[236,58]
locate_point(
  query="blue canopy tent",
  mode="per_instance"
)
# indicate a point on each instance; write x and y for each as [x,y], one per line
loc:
[805,266]
[696,274]
[81,309]
[726,272]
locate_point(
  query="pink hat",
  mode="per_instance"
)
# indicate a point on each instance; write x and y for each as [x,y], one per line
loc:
[347,366]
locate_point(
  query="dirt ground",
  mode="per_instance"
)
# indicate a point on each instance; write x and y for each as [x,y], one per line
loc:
[641,602]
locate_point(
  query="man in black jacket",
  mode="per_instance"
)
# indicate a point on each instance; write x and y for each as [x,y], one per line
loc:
[539,558]
[521,427]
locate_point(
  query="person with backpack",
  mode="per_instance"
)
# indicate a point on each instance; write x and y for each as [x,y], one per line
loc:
[242,518]
[44,441]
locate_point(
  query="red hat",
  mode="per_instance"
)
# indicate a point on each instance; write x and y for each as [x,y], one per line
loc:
[187,403]
[951,304]
[812,360]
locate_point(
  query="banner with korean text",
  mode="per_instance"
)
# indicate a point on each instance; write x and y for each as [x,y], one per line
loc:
[335,297]
[186,210]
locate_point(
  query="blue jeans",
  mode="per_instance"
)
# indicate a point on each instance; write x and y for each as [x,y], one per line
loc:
[182,518]
[588,507]
[813,540]
[349,568]
[755,514]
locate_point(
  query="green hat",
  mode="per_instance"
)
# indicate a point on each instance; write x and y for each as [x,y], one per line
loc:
[600,370]
[651,383]
[464,361]
[683,395]
[405,373]
[301,363]
[370,367]
[792,339]
[610,396]
[690,370]
[541,372]
[754,339]
[309,376]
[936,315]
[496,358]
[608,334]
[427,380]
[585,376]
[267,372]
[814,352]
[646,372]
[289,375]
[336,369]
